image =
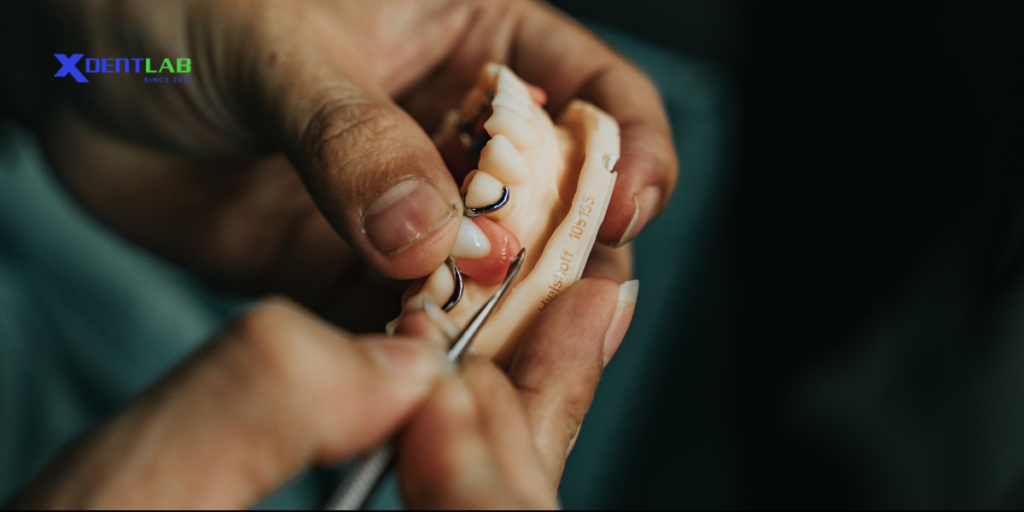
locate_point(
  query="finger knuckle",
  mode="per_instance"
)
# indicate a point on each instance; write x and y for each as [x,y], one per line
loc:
[270,346]
[339,130]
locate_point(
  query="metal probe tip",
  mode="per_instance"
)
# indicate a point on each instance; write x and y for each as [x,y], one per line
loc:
[463,342]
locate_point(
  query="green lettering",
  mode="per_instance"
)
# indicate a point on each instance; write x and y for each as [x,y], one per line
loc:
[148,69]
[184,65]
[167,65]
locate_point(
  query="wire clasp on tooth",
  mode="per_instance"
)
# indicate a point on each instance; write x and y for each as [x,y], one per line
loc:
[491,208]
[457,292]
[456,275]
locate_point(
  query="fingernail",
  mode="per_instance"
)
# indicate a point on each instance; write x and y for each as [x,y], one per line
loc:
[406,359]
[405,214]
[628,292]
[440,319]
[645,204]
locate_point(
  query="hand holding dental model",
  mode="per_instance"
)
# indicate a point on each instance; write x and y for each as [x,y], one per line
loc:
[297,161]
[280,390]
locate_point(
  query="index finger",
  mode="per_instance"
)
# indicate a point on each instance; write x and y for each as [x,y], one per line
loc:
[568,61]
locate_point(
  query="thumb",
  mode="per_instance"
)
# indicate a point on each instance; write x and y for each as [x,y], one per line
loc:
[372,170]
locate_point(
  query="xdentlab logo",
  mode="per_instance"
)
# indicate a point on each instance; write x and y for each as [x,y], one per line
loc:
[69,66]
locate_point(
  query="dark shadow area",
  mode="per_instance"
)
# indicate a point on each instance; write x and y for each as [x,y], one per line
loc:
[873,239]
[712,31]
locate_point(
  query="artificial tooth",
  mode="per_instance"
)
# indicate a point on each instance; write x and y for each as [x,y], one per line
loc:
[472,242]
[503,162]
[507,122]
[508,80]
[439,288]
[483,190]
[505,99]
[519,94]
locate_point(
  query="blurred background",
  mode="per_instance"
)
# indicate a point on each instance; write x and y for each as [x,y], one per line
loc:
[831,311]
[847,325]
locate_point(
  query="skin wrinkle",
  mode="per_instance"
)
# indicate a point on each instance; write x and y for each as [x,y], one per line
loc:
[326,91]
[249,81]
[201,128]
[232,111]
[203,93]
[360,116]
[203,200]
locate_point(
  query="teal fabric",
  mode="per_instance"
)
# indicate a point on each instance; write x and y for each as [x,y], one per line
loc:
[88,321]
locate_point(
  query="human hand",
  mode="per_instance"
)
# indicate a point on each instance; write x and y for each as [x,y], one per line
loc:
[198,171]
[281,389]
[278,390]
[497,440]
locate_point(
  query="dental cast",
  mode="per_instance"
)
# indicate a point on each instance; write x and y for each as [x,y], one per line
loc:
[552,171]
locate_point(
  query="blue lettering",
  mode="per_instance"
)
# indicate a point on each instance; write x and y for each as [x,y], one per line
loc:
[137,61]
[89,68]
[68,65]
[108,65]
[117,65]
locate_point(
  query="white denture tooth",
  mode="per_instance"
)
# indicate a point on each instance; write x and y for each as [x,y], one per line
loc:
[483,190]
[508,100]
[508,80]
[517,93]
[503,162]
[472,242]
[439,288]
[507,122]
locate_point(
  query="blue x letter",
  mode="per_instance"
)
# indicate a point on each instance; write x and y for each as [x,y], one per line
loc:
[70,67]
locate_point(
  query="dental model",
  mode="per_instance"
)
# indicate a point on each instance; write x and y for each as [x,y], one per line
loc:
[527,183]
